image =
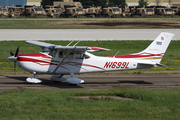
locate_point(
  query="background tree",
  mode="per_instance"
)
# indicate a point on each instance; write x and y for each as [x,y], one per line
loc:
[90,2]
[85,2]
[142,3]
[49,2]
[101,2]
[117,3]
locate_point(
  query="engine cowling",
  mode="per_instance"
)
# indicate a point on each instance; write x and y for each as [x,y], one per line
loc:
[74,80]
[56,78]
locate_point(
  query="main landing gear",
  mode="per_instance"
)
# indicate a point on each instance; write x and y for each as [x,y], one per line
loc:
[74,80]
[57,78]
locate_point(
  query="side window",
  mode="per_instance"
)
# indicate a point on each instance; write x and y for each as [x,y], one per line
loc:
[71,55]
[85,56]
[78,56]
[81,56]
[62,54]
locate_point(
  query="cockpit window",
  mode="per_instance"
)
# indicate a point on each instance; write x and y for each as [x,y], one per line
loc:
[49,50]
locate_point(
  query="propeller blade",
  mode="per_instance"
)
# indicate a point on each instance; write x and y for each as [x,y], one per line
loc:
[11,53]
[17,50]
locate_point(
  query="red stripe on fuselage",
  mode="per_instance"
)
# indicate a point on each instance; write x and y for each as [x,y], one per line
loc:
[141,55]
[34,55]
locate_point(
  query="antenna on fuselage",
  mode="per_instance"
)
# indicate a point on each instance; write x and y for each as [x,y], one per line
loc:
[115,54]
[70,43]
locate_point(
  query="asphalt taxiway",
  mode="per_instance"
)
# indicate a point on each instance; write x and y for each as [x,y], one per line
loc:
[94,82]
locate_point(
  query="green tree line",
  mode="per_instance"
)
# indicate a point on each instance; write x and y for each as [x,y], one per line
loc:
[91,2]
[49,2]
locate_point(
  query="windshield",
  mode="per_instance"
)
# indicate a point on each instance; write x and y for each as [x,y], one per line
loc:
[57,10]
[38,9]
[116,10]
[48,50]
[5,10]
[79,10]
[149,10]
[168,10]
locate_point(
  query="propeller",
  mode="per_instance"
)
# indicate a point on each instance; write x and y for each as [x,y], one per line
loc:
[14,57]
[11,53]
[17,50]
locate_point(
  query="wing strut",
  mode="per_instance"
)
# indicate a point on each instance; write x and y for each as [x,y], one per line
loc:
[62,61]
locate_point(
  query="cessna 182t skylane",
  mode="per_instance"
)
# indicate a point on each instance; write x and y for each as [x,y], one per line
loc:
[64,60]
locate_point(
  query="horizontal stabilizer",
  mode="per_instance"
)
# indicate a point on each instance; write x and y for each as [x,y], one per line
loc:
[160,65]
[148,65]
[144,65]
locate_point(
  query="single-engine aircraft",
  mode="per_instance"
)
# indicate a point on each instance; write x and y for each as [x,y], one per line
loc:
[69,60]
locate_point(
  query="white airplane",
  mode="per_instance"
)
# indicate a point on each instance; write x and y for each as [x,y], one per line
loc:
[69,60]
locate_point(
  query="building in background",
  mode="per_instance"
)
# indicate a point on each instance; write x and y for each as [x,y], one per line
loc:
[155,2]
[20,2]
[129,2]
[12,2]
[34,2]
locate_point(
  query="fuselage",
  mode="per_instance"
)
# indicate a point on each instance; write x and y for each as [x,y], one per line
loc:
[74,63]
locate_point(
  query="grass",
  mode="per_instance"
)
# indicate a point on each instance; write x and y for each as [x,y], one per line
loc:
[91,24]
[170,59]
[48,104]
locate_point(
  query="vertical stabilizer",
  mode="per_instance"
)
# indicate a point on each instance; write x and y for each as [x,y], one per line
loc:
[160,44]
[158,47]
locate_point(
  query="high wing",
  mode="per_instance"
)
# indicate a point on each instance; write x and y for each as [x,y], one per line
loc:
[41,44]
[74,48]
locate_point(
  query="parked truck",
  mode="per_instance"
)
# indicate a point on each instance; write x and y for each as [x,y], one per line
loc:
[53,11]
[164,11]
[176,10]
[34,11]
[91,11]
[129,11]
[4,11]
[73,9]
[107,11]
[138,10]
[144,11]
[16,11]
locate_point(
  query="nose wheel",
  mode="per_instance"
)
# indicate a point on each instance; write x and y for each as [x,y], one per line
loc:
[33,79]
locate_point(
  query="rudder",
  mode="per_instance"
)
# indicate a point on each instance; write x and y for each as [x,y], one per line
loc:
[160,44]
